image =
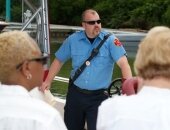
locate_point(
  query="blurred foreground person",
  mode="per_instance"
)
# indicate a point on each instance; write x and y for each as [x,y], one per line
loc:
[130,86]
[149,108]
[21,70]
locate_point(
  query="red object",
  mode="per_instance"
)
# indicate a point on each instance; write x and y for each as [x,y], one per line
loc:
[123,80]
[45,74]
[130,86]
[117,42]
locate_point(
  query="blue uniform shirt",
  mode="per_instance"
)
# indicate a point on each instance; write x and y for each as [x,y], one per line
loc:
[99,73]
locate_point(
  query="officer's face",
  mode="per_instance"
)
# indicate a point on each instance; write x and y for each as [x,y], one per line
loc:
[92,24]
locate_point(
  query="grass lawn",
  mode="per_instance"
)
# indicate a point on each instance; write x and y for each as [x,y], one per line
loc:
[61,87]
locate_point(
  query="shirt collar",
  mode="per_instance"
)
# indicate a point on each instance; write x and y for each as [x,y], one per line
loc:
[152,90]
[13,90]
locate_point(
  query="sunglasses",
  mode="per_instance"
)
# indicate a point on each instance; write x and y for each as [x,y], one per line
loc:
[93,22]
[43,60]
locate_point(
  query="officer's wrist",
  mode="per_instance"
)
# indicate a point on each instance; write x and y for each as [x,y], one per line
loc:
[123,80]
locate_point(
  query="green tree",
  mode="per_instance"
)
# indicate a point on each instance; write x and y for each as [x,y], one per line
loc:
[149,14]
[116,14]
[142,14]
[2,9]
[166,15]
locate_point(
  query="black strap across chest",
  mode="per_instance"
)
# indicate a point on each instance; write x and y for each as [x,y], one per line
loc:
[94,52]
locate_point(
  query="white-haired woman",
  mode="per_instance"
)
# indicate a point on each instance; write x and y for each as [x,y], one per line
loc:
[21,70]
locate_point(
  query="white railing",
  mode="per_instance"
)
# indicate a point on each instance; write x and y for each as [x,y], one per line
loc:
[62,79]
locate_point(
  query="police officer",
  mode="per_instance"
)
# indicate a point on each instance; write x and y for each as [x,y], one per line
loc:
[87,92]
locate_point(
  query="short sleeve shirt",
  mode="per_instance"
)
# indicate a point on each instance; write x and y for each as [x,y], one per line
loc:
[98,73]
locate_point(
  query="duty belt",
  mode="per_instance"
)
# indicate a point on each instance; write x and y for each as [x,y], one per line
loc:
[85,91]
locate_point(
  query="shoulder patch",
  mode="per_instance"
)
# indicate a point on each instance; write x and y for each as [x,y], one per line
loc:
[117,42]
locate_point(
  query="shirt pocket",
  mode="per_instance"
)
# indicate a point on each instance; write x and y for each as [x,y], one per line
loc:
[78,57]
[102,59]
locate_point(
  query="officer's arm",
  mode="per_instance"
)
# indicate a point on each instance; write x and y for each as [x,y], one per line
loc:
[125,67]
[54,69]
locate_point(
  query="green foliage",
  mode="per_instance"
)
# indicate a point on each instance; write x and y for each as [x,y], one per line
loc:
[16,14]
[142,14]
[2,9]
[166,17]
[149,14]
[66,12]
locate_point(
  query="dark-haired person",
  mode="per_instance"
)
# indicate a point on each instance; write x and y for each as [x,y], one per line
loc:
[87,92]
[21,70]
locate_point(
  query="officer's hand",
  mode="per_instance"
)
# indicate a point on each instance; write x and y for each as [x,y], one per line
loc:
[130,86]
[45,86]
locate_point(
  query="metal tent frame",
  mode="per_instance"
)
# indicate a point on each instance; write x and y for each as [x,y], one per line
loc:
[42,33]
[41,17]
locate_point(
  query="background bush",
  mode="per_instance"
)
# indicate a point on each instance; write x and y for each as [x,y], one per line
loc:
[142,14]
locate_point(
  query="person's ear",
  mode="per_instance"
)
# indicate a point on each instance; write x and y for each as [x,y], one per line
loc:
[83,24]
[25,69]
